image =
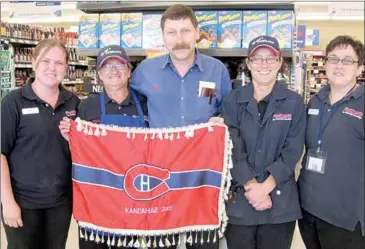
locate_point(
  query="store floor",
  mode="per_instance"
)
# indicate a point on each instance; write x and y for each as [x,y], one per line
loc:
[72,239]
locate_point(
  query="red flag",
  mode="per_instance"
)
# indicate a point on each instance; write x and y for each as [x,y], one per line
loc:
[133,181]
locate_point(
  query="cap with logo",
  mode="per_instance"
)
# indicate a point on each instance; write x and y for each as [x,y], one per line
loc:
[266,42]
[112,51]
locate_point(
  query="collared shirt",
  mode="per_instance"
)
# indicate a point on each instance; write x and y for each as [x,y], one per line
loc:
[173,100]
[38,156]
[337,196]
[262,105]
[90,109]
[272,145]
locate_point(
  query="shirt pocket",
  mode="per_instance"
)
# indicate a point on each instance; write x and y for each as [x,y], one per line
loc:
[206,108]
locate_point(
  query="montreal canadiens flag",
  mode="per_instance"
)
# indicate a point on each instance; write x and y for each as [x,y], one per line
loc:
[131,185]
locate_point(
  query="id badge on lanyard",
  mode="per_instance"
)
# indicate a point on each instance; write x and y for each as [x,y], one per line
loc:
[316,159]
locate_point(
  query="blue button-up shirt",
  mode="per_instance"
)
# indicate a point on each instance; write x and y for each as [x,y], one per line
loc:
[172,100]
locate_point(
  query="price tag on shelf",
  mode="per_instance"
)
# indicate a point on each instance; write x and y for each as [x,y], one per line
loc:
[151,53]
[316,71]
[320,63]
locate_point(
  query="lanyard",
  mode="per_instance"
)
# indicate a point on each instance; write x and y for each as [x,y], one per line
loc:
[322,126]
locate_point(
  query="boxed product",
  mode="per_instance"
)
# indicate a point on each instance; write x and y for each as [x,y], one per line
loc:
[109,30]
[229,29]
[280,24]
[131,30]
[254,25]
[208,25]
[88,31]
[152,34]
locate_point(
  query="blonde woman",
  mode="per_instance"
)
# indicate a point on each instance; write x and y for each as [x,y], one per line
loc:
[36,186]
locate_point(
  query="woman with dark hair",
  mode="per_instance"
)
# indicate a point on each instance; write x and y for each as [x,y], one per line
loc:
[331,181]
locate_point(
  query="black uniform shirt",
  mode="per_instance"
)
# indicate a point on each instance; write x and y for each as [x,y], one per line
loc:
[38,156]
[337,196]
[90,109]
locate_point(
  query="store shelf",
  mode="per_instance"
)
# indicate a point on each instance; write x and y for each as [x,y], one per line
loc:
[219,52]
[29,65]
[161,6]
[79,63]
[23,65]
[19,41]
[67,82]
[27,42]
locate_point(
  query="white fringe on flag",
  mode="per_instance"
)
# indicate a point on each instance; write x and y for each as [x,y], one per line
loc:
[167,134]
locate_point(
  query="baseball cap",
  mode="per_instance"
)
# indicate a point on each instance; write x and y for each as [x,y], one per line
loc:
[264,41]
[112,51]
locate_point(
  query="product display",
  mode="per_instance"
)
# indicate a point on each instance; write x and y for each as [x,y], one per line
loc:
[229,29]
[131,30]
[280,25]
[254,24]
[218,29]
[208,25]
[37,33]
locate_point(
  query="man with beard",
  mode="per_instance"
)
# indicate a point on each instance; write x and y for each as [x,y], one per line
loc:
[183,87]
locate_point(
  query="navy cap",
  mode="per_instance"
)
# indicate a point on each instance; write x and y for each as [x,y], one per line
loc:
[112,51]
[264,41]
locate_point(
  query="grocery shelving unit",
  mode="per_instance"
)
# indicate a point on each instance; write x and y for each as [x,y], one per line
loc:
[158,7]
[22,69]
[217,52]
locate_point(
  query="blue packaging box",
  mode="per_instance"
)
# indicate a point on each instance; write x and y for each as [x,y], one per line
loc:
[254,25]
[208,25]
[131,30]
[229,29]
[280,24]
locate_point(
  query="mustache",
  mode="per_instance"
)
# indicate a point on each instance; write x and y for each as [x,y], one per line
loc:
[181,46]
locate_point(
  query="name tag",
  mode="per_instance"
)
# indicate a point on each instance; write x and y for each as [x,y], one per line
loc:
[33,110]
[316,161]
[313,111]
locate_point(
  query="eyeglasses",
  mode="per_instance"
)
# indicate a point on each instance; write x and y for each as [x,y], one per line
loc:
[336,60]
[109,67]
[259,60]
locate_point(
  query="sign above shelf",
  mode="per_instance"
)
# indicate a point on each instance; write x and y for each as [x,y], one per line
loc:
[219,52]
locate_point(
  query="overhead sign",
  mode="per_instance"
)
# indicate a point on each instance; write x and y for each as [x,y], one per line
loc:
[346,8]
[35,9]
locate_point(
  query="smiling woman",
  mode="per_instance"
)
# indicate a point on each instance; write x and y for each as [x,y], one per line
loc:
[35,159]
[50,59]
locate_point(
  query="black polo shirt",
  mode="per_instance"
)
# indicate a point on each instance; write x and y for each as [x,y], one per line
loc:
[262,105]
[38,156]
[90,109]
[337,196]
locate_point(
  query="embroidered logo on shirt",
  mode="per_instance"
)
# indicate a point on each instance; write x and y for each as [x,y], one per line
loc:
[352,112]
[279,116]
[156,88]
[70,113]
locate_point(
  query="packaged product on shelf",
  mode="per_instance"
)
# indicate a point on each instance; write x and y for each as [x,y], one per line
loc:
[280,25]
[109,30]
[88,31]
[131,30]
[254,25]
[208,25]
[229,29]
[152,34]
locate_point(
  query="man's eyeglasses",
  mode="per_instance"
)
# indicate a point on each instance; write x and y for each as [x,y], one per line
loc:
[259,60]
[345,61]
[109,67]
